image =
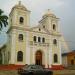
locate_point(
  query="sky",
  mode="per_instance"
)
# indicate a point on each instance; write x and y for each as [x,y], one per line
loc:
[63,9]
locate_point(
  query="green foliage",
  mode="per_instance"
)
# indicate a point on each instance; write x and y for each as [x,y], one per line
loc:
[3,19]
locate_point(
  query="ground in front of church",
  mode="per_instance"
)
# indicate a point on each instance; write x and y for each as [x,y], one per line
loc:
[56,72]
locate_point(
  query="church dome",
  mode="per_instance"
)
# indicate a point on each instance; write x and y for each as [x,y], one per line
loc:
[19,6]
[48,13]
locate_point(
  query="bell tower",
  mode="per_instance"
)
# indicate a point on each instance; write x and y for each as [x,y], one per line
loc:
[19,21]
[49,21]
[19,16]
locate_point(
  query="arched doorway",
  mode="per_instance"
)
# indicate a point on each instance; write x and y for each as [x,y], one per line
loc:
[38,58]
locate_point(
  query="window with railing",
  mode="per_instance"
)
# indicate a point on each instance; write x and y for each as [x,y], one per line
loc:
[39,39]
[35,38]
[43,40]
[55,42]
[20,37]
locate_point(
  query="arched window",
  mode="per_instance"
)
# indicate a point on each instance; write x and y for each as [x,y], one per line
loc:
[43,26]
[55,58]
[43,40]
[20,56]
[8,56]
[21,20]
[0,57]
[34,38]
[39,39]
[20,37]
[72,62]
[55,42]
[54,27]
[39,29]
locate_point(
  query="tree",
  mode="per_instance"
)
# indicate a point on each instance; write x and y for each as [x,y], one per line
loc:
[3,19]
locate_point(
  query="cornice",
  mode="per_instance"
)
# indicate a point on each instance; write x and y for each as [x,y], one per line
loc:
[29,30]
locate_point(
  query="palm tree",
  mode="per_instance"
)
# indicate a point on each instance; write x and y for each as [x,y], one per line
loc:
[3,19]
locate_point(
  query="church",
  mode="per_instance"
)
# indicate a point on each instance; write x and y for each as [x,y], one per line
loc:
[39,45]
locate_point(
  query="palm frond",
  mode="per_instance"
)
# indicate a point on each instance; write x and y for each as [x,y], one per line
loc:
[1,12]
[3,20]
[5,17]
[0,25]
[5,23]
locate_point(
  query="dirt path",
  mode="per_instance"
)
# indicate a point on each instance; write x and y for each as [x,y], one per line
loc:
[64,72]
[58,72]
[8,72]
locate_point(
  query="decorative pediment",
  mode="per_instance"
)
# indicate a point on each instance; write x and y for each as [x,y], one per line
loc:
[40,29]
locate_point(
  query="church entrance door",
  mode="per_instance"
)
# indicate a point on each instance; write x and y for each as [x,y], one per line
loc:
[38,59]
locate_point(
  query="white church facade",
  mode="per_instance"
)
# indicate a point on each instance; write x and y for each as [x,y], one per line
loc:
[39,45]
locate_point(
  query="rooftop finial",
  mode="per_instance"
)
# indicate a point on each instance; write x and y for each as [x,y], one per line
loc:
[19,2]
[48,10]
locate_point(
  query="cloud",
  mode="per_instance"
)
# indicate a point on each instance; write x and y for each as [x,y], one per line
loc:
[54,3]
[45,4]
[64,9]
[6,5]
[38,7]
